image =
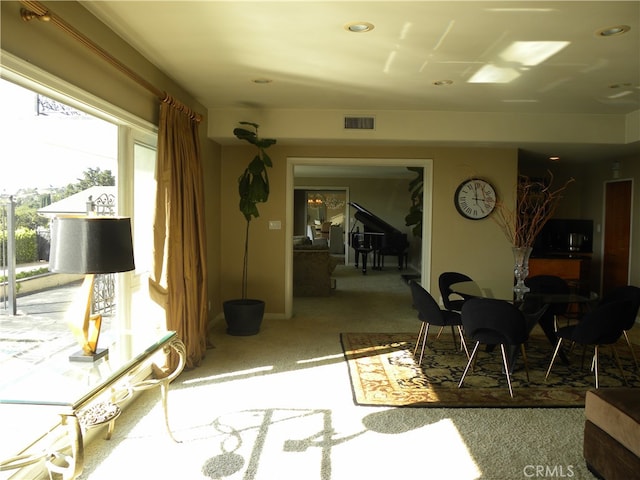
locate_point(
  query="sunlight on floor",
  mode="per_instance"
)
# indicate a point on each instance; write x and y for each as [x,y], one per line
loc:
[238,373]
[338,356]
[462,464]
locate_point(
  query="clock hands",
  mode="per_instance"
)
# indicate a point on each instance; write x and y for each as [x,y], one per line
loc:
[475,198]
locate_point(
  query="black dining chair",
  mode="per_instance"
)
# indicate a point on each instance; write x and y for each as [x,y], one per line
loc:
[632,294]
[601,326]
[492,321]
[430,313]
[452,301]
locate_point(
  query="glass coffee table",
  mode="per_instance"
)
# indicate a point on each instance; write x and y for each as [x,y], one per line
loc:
[88,394]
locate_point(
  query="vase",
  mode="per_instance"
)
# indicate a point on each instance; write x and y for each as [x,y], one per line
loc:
[521,270]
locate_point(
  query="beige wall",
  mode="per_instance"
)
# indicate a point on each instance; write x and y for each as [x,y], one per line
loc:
[48,48]
[475,247]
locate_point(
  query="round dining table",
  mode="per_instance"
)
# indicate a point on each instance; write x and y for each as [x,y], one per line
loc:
[502,291]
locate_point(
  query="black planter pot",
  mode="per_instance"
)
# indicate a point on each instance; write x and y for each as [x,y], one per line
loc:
[243,316]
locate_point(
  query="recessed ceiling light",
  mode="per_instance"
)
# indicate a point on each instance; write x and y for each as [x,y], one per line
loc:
[443,83]
[554,158]
[613,31]
[262,80]
[359,27]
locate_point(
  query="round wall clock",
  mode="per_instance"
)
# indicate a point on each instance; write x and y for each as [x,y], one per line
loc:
[475,198]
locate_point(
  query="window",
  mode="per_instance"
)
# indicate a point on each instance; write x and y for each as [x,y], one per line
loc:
[51,140]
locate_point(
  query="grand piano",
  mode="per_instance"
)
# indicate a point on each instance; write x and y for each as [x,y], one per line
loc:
[377,237]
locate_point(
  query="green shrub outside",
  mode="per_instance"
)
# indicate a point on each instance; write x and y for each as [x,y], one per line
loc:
[26,245]
[27,274]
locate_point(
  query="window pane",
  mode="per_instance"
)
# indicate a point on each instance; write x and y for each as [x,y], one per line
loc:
[144,200]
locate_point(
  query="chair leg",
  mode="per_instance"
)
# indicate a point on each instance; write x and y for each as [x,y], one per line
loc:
[506,368]
[524,358]
[617,357]
[473,355]
[594,364]
[424,343]
[555,354]
[415,350]
[463,343]
[633,353]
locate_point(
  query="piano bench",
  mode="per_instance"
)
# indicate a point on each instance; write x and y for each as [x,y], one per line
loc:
[403,259]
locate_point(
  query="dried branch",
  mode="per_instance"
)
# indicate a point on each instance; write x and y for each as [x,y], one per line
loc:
[536,203]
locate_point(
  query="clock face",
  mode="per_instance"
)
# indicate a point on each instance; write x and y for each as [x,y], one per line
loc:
[475,198]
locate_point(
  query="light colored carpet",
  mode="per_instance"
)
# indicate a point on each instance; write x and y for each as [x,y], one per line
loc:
[278,405]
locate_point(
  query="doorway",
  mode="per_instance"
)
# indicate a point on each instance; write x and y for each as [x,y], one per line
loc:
[361,168]
[617,234]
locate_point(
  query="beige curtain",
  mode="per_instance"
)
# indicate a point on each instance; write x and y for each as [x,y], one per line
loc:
[179,277]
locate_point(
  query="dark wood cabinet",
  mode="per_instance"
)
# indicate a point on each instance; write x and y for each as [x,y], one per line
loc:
[575,270]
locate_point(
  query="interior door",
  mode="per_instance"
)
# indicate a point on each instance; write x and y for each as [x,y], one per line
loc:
[617,234]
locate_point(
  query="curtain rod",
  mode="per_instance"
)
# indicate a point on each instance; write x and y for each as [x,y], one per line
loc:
[35,10]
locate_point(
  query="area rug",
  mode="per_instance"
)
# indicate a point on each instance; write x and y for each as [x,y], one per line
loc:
[384,372]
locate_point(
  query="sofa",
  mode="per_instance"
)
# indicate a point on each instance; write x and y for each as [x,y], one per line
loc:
[313,266]
[612,433]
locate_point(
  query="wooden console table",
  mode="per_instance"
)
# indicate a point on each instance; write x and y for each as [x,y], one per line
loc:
[86,395]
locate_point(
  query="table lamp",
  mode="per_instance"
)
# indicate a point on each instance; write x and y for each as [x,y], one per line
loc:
[89,245]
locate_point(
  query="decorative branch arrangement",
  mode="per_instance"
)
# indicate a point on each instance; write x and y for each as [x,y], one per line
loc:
[535,204]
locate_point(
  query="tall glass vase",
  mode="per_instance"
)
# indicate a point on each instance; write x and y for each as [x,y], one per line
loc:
[521,270]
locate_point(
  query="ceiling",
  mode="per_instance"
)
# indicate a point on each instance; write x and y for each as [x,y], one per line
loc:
[486,60]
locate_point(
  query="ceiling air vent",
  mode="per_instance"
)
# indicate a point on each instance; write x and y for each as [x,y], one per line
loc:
[359,123]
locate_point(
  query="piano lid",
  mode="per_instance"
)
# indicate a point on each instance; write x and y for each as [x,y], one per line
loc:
[372,221]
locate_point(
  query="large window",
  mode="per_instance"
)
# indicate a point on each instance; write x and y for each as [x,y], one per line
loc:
[69,153]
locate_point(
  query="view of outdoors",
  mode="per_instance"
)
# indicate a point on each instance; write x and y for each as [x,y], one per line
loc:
[50,153]
[59,159]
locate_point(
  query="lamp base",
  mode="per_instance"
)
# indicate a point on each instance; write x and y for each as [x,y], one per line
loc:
[82,356]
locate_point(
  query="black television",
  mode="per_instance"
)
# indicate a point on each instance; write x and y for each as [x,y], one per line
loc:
[562,235]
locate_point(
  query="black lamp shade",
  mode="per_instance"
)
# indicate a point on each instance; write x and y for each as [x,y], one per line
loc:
[82,244]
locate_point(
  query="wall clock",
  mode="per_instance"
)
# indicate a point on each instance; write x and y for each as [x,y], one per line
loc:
[475,198]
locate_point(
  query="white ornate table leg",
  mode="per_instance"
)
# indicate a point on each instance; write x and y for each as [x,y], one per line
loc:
[69,466]
[181,350]
[165,380]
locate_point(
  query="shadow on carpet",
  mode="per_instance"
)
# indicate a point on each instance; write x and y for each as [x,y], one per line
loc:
[384,372]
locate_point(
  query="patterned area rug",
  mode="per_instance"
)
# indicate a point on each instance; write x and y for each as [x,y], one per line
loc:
[384,372]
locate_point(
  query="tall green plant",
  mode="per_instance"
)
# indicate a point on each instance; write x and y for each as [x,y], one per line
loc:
[414,217]
[253,185]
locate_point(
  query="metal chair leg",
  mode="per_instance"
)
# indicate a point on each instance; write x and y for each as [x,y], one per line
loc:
[633,353]
[524,358]
[471,358]
[595,364]
[463,343]
[555,354]
[424,343]
[415,350]
[506,368]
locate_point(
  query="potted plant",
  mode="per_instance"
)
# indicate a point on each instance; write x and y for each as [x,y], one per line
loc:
[244,315]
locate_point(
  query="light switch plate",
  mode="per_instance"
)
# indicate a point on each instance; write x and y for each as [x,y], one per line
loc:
[275,225]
